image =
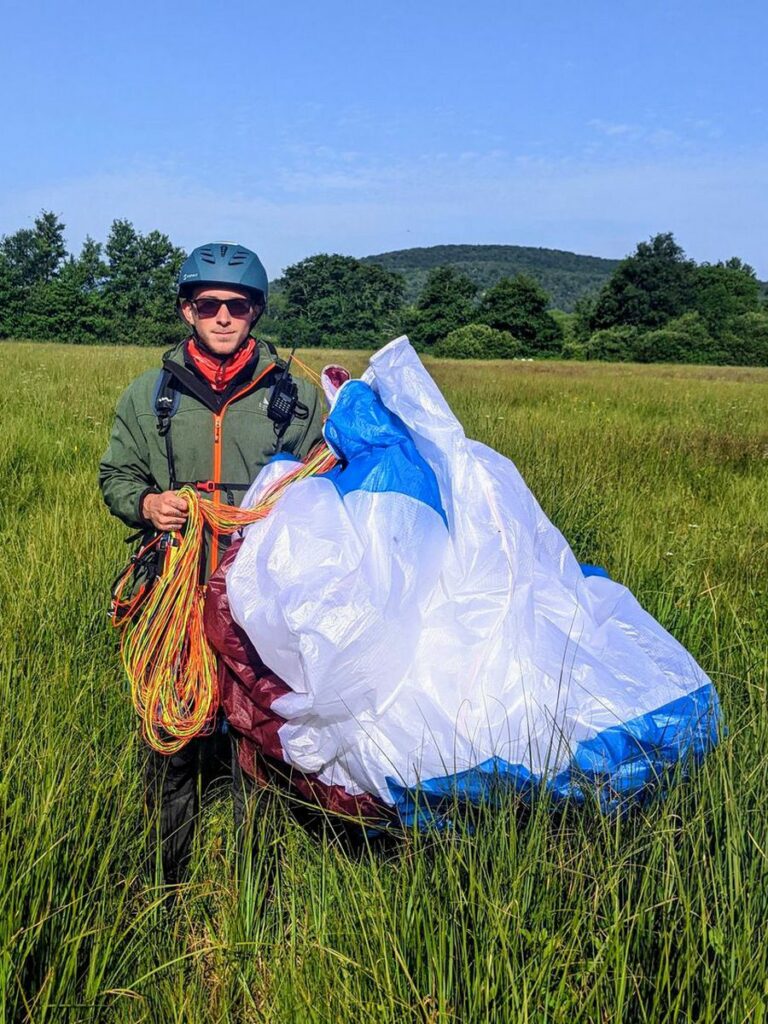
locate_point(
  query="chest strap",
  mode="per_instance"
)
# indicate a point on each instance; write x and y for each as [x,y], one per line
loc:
[209,486]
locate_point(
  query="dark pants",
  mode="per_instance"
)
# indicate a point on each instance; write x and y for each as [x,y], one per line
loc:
[174,789]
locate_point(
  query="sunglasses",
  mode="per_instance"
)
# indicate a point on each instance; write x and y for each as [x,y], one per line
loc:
[238,308]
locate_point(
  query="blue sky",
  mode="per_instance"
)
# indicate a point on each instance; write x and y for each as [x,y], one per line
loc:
[358,128]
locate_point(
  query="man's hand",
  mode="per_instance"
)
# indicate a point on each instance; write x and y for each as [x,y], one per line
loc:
[166,511]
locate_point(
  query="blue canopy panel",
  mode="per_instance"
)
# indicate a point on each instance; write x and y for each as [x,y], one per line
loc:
[377,450]
[284,457]
[623,764]
[593,570]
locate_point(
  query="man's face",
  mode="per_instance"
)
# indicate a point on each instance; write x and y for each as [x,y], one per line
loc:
[224,332]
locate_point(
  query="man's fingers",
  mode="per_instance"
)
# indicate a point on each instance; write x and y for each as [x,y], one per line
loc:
[177,503]
[174,508]
[170,524]
[167,511]
[172,516]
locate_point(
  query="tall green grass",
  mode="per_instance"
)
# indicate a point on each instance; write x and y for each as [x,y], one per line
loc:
[660,474]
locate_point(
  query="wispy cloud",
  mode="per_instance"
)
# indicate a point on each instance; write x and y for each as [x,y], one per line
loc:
[682,133]
[326,202]
[611,127]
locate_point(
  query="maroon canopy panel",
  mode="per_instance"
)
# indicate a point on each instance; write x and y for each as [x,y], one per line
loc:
[248,689]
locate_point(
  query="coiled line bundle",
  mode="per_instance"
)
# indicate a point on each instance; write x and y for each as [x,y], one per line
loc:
[169,662]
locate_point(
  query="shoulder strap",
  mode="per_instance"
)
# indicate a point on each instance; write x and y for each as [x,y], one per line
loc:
[165,402]
[193,384]
[165,399]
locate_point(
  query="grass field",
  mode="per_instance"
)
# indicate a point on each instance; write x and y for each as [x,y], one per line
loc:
[658,473]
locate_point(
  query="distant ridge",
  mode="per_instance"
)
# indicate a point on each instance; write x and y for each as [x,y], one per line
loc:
[566,276]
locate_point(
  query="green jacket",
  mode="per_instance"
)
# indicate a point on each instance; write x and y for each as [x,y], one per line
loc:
[228,443]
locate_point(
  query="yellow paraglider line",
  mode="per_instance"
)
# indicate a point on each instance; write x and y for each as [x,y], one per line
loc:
[169,662]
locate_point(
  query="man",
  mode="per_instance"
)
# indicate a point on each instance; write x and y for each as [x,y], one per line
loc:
[219,409]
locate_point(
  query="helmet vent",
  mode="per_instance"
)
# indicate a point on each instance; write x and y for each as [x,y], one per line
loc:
[207,256]
[238,258]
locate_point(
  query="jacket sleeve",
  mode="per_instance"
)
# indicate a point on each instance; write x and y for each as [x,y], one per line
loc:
[302,443]
[124,476]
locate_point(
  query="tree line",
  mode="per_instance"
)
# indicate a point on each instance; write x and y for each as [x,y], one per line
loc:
[658,305]
[118,293]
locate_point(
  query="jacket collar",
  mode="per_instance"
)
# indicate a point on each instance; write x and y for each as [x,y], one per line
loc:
[222,374]
[182,368]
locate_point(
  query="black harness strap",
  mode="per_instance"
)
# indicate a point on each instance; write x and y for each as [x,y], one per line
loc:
[209,486]
[194,385]
[166,402]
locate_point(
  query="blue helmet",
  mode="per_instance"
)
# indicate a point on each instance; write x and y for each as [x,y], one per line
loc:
[224,263]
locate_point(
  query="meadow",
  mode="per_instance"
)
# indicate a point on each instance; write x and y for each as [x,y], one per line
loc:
[658,473]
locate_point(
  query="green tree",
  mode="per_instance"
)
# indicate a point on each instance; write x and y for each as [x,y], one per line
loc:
[686,339]
[477,341]
[746,340]
[576,350]
[724,291]
[70,308]
[613,344]
[337,301]
[519,305]
[11,300]
[655,284]
[34,255]
[29,259]
[583,311]
[50,250]
[140,286]
[567,323]
[446,302]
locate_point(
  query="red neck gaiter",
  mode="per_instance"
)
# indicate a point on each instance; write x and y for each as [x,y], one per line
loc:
[219,372]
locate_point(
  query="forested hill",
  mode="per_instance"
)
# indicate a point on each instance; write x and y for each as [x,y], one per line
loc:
[564,275]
